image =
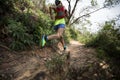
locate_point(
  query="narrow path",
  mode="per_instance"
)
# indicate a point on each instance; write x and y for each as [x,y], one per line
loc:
[78,50]
[84,65]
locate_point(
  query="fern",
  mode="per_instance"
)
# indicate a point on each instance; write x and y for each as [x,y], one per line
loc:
[21,38]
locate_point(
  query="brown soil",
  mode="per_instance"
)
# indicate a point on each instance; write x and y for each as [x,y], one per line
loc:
[30,65]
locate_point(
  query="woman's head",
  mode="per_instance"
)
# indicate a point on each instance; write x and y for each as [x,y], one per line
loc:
[57,2]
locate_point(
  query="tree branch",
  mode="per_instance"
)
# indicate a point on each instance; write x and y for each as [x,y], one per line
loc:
[71,13]
[69,6]
[86,15]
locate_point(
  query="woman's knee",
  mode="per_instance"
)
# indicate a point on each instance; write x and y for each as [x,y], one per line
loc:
[59,35]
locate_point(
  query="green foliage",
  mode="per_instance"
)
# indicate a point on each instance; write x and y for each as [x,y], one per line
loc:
[108,40]
[24,4]
[44,26]
[21,39]
[101,54]
[67,35]
[6,6]
[107,43]
[84,37]
[28,30]
[71,33]
[74,33]
[93,2]
[111,3]
[25,25]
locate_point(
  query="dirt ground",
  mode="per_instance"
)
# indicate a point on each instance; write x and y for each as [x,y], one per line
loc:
[30,64]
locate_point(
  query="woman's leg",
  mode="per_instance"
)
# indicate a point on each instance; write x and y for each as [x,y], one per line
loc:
[58,35]
[61,43]
[59,29]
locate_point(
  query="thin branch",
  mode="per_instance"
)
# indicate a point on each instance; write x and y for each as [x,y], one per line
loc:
[84,9]
[69,6]
[86,15]
[73,10]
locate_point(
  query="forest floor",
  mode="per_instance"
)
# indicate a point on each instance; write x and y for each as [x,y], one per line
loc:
[81,64]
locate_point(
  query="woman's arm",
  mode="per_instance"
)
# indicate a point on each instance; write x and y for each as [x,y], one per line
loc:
[51,8]
[66,13]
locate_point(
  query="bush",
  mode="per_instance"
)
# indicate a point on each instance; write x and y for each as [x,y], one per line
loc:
[43,27]
[6,6]
[24,24]
[75,34]
[107,43]
[108,39]
[71,33]
[21,39]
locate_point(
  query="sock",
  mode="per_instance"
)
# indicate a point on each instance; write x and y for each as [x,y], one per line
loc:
[65,47]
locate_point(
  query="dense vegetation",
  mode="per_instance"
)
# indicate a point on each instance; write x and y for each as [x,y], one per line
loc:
[107,44]
[108,39]
[22,24]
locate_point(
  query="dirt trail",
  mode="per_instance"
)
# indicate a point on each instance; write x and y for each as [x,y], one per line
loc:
[81,54]
[84,65]
[83,61]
